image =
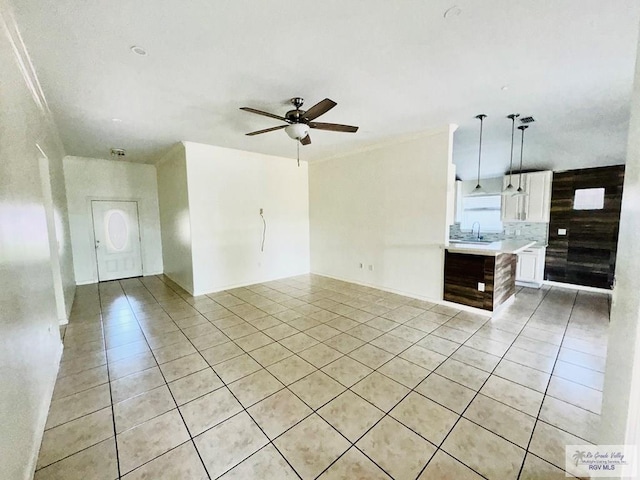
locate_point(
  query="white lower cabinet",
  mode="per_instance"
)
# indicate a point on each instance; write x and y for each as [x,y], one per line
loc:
[530,269]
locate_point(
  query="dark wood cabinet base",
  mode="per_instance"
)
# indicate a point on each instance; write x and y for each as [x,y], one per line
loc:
[463,272]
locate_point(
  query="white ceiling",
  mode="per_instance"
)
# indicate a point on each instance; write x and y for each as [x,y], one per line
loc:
[394,67]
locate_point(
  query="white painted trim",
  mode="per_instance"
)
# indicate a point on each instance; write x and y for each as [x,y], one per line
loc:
[92,233]
[93,282]
[43,414]
[388,142]
[151,274]
[446,303]
[169,153]
[245,284]
[572,286]
[537,285]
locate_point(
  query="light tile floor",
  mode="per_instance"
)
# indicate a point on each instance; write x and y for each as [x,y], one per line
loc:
[310,378]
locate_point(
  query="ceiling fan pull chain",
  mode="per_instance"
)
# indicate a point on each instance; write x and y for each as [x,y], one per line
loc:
[298,146]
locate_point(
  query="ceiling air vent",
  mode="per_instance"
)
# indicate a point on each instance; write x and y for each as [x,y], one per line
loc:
[118,153]
[527,120]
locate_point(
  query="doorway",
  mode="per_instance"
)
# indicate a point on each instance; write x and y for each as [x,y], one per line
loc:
[117,239]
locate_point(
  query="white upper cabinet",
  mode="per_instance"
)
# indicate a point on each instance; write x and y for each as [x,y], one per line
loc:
[534,207]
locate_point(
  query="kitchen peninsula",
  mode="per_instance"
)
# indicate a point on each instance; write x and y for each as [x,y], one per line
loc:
[482,275]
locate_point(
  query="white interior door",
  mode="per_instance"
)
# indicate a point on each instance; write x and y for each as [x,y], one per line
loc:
[117,236]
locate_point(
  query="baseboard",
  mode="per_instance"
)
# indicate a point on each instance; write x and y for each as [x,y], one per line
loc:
[378,287]
[95,280]
[44,413]
[572,286]
[190,292]
[246,284]
[446,303]
[528,284]
[68,305]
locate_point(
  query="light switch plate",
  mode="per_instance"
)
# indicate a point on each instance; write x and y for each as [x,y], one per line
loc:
[562,231]
[480,287]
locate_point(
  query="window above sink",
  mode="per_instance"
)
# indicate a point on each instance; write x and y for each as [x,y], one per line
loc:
[484,210]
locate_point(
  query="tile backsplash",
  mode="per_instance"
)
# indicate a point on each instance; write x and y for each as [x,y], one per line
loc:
[535,232]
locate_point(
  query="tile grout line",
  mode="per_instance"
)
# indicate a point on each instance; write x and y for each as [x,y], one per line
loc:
[411,390]
[396,355]
[535,424]
[325,322]
[167,385]
[475,396]
[315,411]
[349,388]
[270,442]
[113,413]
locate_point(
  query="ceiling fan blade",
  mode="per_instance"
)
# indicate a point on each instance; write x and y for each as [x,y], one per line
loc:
[334,127]
[319,108]
[258,132]
[266,114]
[306,140]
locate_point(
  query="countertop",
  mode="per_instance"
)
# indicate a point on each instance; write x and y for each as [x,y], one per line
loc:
[491,249]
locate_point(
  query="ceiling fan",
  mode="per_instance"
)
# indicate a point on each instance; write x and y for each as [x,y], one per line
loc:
[300,121]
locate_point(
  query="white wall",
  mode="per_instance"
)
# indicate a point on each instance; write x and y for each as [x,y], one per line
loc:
[30,344]
[175,219]
[60,231]
[388,206]
[620,422]
[89,179]
[227,188]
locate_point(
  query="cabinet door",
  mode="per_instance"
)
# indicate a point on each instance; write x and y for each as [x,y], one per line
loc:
[511,207]
[527,267]
[538,202]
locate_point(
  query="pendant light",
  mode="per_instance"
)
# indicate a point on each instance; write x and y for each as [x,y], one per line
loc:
[520,192]
[479,190]
[510,189]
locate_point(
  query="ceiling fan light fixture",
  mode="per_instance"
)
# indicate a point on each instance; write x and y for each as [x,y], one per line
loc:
[297,130]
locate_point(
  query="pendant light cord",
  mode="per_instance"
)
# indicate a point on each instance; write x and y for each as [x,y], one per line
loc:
[523,128]
[513,117]
[481,117]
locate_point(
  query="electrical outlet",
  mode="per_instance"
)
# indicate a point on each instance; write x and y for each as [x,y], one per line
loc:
[562,231]
[480,287]
[518,232]
[371,268]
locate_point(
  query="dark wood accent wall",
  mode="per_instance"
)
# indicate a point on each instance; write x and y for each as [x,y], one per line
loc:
[505,278]
[462,272]
[586,255]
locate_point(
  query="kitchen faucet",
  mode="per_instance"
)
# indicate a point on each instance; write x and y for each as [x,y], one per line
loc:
[473,225]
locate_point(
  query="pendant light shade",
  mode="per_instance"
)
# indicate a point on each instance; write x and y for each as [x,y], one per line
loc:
[510,189]
[520,191]
[478,191]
